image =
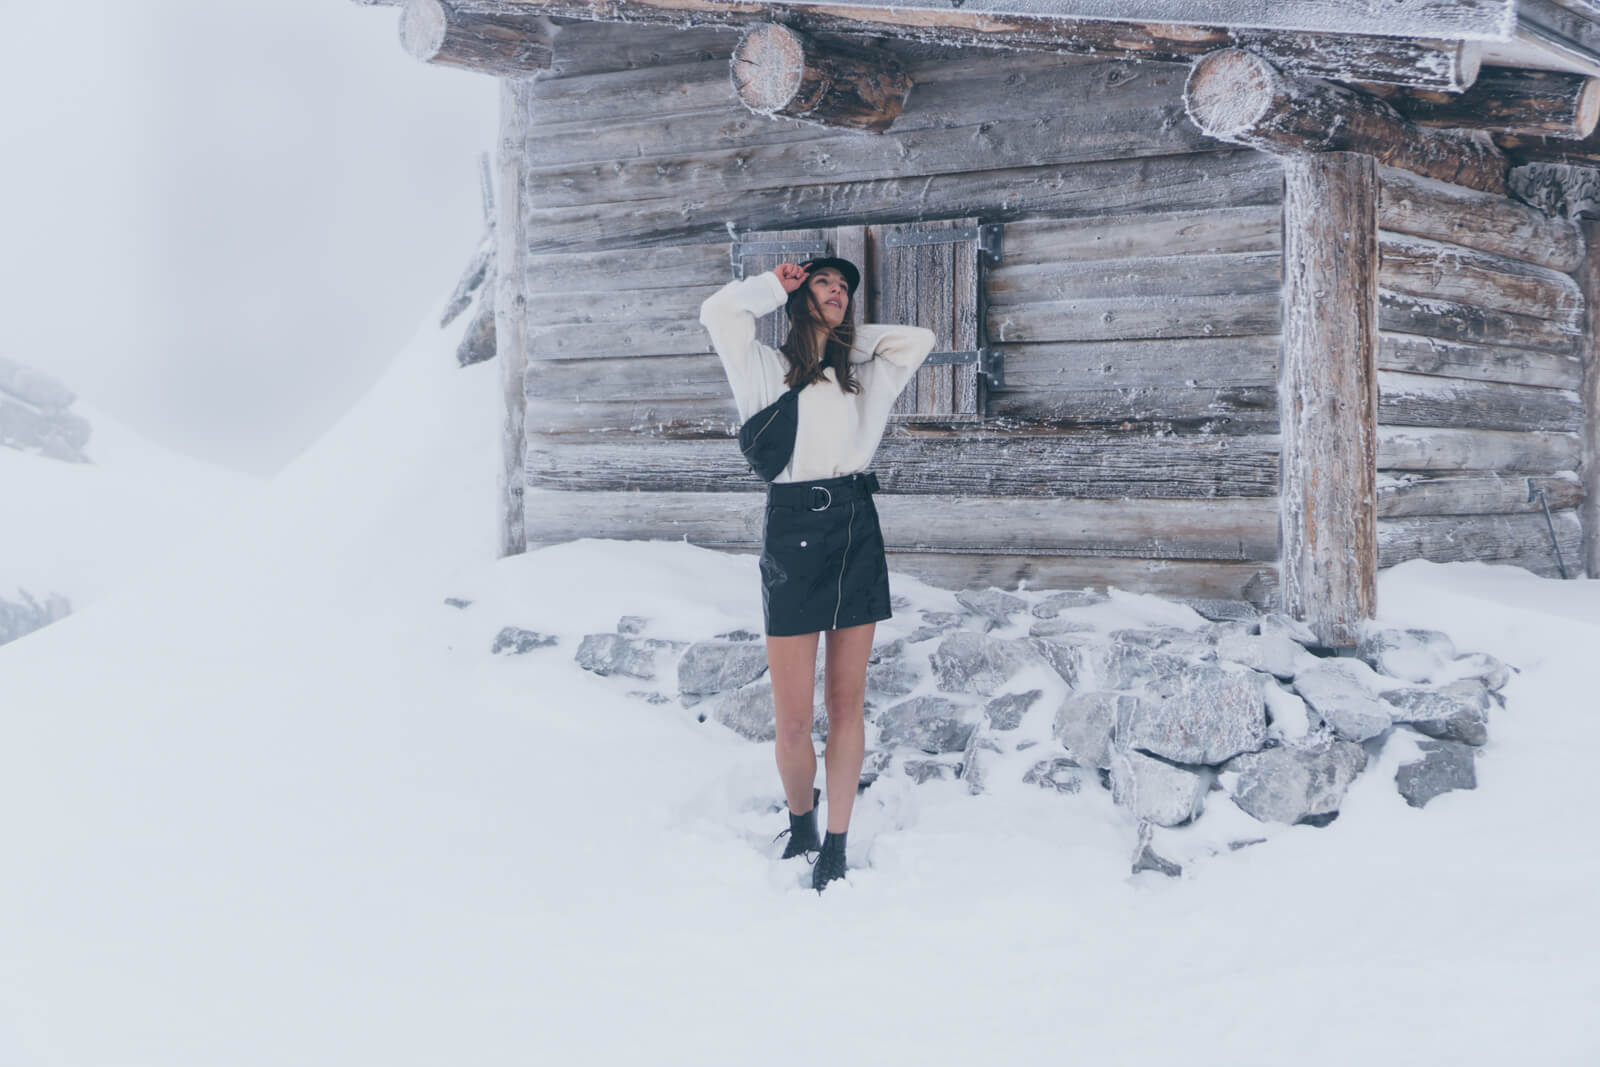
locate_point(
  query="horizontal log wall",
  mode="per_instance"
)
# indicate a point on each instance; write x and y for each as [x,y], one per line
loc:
[1137,305]
[1480,363]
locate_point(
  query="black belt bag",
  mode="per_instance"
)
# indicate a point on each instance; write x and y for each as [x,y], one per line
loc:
[767,437]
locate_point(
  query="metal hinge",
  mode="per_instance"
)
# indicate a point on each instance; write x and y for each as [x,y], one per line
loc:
[740,249]
[991,363]
[989,237]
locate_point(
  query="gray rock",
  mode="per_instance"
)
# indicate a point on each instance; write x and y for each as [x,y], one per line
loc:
[650,697]
[631,624]
[1340,692]
[1005,711]
[1066,653]
[518,641]
[457,602]
[23,616]
[891,678]
[1174,640]
[739,635]
[748,712]
[635,657]
[1410,655]
[1059,625]
[1444,766]
[1455,712]
[943,620]
[967,662]
[1086,722]
[34,387]
[975,761]
[928,770]
[56,435]
[717,666]
[931,723]
[1273,653]
[899,603]
[1491,671]
[1290,784]
[1146,858]
[1156,790]
[1061,774]
[1225,610]
[1278,623]
[1056,603]
[993,604]
[1205,714]
[891,650]
[1120,664]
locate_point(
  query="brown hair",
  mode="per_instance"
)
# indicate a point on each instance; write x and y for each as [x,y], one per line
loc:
[805,363]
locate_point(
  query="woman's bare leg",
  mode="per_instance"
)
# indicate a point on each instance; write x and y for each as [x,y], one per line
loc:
[792,662]
[845,688]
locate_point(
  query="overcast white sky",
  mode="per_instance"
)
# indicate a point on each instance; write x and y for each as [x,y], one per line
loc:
[220,219]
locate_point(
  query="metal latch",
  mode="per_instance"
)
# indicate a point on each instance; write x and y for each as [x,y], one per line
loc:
[990,361]
[989,238]
[740,249]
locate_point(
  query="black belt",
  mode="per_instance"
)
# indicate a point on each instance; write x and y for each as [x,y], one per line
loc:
[823,494]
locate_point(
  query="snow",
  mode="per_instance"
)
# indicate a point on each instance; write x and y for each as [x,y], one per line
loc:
[77,529]
[274,802]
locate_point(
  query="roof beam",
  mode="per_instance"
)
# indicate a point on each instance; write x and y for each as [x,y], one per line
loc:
[1448,65]
[1530,103]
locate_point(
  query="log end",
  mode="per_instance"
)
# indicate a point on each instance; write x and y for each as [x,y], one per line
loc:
[767,67]
[1587,111]
[1228,92]
[423,27]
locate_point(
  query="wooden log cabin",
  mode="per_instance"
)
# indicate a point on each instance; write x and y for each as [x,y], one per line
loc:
[1234,300]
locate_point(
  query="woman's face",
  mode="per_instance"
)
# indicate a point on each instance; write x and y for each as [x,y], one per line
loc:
[832,294]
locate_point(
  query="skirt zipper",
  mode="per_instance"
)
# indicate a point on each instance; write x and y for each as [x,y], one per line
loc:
[843,559]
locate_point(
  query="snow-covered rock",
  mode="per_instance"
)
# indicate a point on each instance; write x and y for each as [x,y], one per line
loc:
[1154,789]
[1202,715]
[1086,722]
[1272,652]
[1061,774]
[636,657]
[1056,603]
[994,605]
[1455,712]
[1005,711]
[933,724]
[27,614]
[1290,784]
[1342,694]
[1444,766]
[516,641]
[1410,655]
[967,662]
[716,666]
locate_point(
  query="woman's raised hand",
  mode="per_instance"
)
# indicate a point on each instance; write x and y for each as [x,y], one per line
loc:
[791,275]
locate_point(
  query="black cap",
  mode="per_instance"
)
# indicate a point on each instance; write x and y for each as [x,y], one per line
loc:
[852,277]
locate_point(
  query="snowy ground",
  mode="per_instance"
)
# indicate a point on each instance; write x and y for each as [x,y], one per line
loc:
[276,803]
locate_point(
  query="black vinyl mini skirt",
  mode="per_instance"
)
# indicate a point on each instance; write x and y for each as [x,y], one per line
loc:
[822,557]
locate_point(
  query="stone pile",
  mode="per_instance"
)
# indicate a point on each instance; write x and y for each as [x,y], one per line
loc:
[1041,692]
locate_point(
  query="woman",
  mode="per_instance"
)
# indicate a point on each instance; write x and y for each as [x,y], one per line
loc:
[822,559]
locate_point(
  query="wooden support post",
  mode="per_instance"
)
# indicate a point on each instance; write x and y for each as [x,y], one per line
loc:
[1589,513]
[1328,389]
[510,305]
[1236,96]
[1531,103]
[777,71]
[437,32]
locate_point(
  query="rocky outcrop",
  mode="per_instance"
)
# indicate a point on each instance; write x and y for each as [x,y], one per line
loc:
[34,416]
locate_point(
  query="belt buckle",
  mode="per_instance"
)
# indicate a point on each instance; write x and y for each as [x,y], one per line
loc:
[815,489]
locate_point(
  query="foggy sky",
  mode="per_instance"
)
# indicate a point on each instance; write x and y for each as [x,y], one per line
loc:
[219,220]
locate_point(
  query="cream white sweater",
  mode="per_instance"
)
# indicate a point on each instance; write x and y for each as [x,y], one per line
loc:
[839,431]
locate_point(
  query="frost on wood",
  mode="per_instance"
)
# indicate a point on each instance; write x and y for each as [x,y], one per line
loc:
[777,71]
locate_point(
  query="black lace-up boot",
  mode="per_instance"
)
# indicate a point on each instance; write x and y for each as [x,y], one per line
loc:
[802,830]
[830,861]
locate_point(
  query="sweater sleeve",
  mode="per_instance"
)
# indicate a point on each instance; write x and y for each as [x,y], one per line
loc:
[896,353]
[729,316]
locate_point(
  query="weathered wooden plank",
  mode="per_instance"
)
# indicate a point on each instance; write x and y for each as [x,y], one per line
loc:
[1237,96]
[652,337]
[561,305]
[435,32]
[598,47]
[1072,137]
[1134,318]
[1516,540]
[1167,183]
[957,460]
[1236,530]
[627,378]
[510,311]
[1472,493]
[621,269]
[1589,278]
[948,93]
[1166,409]
[1229,273]
[1439,271]
[1432,448]
[1195,363]
[1489,363]
[1255,228]
[1453,321]
[1422,207]
[1425,400]
[643,418]
[1329,387]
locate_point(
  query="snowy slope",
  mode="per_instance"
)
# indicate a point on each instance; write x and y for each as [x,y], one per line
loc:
[279,805]
[77,529]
